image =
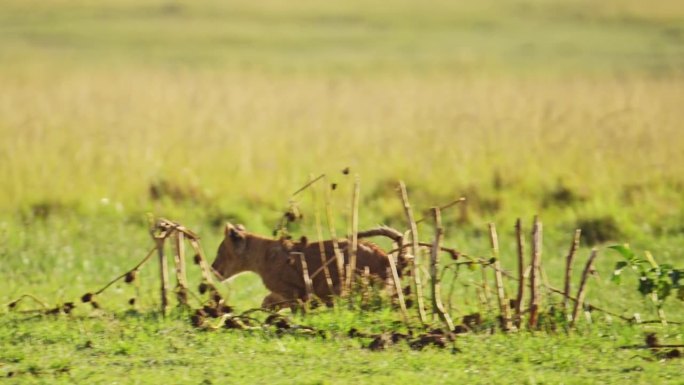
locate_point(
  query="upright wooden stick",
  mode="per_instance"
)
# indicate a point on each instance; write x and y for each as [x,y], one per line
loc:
[415,250]
[581,291]
[365,287]
[321,246]
[181,277]
[204,266]
[521,272]
[568,268]
[399,291]
[504,309]
[437,306]
[351,268]
[163,273]
[535,297]
[308,286]
[339,258]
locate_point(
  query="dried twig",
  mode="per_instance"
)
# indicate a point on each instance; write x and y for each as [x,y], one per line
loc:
[437,306]
[397,287]
[168,226]
[504,308]
[321,246]
[444,207]
[568,267]
[204,266]
[14,303]
[453,253]
[654,294]
[521,272]
[535,297]
[381,231]
[415,251]
[308,184]
[181,278]
[339,258]
[308,286]
[351,268]
[142,262]
[163,273]
[581,291]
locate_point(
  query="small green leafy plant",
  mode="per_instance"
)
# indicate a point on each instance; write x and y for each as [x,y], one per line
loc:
[656,281]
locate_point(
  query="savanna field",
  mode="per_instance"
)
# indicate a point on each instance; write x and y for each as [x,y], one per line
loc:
[209,112]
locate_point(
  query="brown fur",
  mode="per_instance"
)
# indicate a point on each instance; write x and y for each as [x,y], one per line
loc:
[281,274]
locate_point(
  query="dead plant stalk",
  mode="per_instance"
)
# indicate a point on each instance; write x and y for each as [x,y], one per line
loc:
[504,308]
[415,250]
[581,292]
[437,306]
[535,297]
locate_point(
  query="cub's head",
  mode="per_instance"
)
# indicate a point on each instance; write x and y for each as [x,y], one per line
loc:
[231,256]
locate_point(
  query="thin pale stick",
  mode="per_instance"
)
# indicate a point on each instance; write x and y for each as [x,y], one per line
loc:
[437,306]
[415,251]
[581,292]
[504,308]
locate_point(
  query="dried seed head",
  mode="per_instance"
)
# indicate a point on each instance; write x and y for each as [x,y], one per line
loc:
[333,186]
[303,241]
[130,276]
[203,287]
[225,309]
[290,216]
[197,259]
[87,297]
[345,171]
[67,307]
[131,301]
[211,311]
[233,323]
[197,320]
[216,296]
[13,304]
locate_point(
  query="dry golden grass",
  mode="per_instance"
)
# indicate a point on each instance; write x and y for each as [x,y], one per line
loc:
[83,136]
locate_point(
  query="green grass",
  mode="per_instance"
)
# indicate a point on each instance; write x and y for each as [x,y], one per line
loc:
[147,350]
[566,109]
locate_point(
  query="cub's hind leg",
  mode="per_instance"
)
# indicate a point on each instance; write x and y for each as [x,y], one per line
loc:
[274,301]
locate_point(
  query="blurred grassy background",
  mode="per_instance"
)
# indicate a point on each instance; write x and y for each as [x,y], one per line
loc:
[211,111]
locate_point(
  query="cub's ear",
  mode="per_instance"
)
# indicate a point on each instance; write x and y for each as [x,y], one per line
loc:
[237,237]
[229,226]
